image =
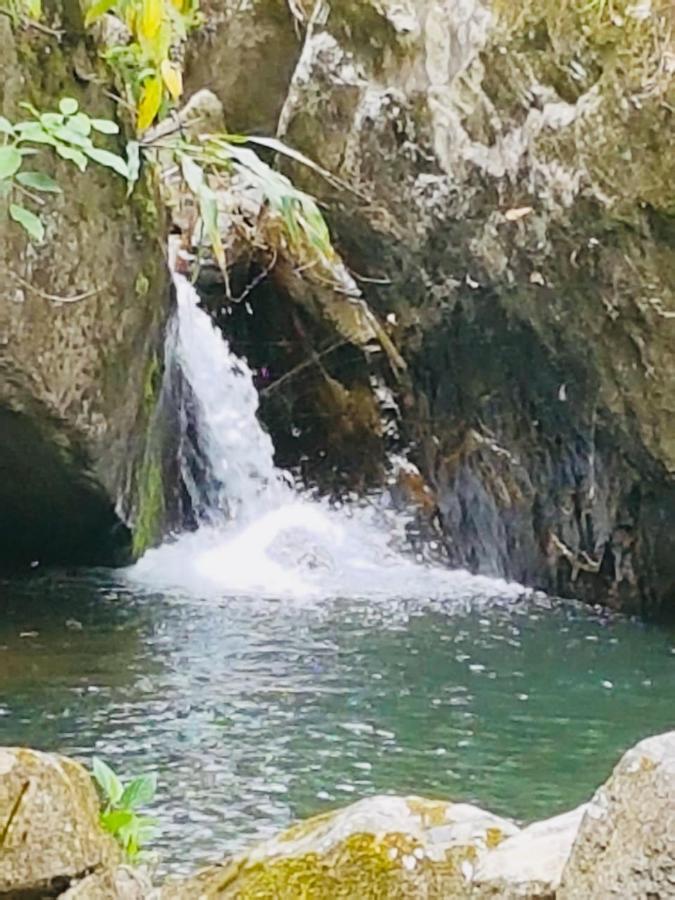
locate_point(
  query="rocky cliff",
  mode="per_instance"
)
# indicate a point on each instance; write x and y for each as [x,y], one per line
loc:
[511,214]
[82,319]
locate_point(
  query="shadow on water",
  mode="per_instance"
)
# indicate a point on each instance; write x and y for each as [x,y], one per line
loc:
[256,711]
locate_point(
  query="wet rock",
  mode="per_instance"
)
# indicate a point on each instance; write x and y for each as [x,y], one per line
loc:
[531,863]
[626,843]
[380,847]
[246,53]
[82,454]
[50,833]
[518,215]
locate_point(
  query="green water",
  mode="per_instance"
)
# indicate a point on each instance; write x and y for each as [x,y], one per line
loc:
[255,712]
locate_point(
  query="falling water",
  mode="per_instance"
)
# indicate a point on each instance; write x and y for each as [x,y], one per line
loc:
[259,534]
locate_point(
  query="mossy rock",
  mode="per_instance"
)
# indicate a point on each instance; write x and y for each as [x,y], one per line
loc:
[382,847]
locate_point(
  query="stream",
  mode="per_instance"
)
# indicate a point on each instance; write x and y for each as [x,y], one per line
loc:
[288,656]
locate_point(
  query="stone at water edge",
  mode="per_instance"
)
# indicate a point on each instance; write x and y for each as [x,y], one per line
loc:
[531,863]
[122,883]
[50,822]
[381,847]
[626,843]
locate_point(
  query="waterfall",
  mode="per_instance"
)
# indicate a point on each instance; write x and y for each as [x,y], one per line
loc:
[257,533]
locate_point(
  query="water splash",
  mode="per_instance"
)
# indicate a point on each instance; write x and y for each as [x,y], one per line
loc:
[258,535]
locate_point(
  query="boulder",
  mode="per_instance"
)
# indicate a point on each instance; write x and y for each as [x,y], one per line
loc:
[530,863]
[380,847]
[626,843]
[50,832]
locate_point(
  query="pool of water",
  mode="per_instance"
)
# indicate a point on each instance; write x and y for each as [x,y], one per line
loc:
[254,712]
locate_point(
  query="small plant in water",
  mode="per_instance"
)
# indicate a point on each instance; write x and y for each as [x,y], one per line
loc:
[119,814]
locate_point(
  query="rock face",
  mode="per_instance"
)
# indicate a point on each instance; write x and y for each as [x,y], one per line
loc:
[514,200]
[626,843]
[50,831]
[82,319]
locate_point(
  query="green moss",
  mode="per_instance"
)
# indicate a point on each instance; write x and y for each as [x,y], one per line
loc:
[141,285]
[150,508]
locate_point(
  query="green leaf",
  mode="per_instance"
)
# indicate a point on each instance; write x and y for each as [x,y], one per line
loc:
[279,147]
[33,131]
[133,164]
[96,10]
[51,120]
[140,791]
[116,820]
[10,161]
[69,153]
[6,126]
[38,181]
[71,136]
[80,123]
[109,160]
[68,106]
[105,126]
[106,779]
[30,223]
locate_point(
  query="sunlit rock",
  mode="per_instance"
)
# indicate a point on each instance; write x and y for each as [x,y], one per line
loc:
[380,847]
[50,832]
[626,843]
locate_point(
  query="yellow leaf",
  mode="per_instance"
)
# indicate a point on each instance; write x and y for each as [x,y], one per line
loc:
[151,99]
[130,16]
[178,4]
[172,79]
[151,18]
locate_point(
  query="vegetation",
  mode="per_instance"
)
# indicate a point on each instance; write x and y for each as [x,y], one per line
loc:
[151,78]
[119,814]
[68,133]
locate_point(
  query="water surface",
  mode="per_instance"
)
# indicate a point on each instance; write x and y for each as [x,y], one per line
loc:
[255,711]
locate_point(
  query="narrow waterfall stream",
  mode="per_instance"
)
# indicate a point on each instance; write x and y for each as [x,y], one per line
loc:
[260,534]
[288,657]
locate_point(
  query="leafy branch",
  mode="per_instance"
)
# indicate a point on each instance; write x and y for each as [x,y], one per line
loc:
[145,64]
[69,133]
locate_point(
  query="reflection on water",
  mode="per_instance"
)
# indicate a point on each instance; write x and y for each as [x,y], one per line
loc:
[257,711]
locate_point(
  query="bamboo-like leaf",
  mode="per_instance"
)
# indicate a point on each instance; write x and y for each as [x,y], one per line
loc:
[279,147]
[30,223]
[173,79]
[6,126]
[192,173]
[151,100]
[150,18]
